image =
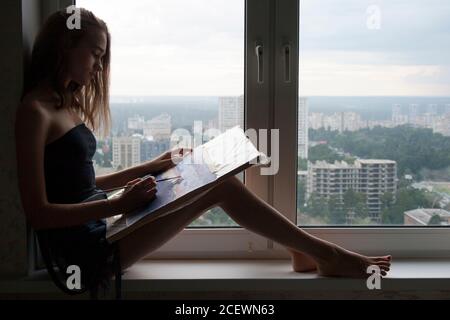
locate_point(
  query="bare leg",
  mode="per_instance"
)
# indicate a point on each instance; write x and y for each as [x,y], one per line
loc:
[153,235]
[332,260]
[252,213]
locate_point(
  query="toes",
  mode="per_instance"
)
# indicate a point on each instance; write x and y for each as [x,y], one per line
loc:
[384,270]
[383,258]
[383,265]
[379,261]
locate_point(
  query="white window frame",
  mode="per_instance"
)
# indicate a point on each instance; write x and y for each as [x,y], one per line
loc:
[272,105]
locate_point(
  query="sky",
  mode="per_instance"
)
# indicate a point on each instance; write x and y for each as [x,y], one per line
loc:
[347,47]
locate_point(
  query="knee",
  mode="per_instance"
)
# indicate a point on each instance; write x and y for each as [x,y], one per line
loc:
[228,190]
[229,186]
[233,182]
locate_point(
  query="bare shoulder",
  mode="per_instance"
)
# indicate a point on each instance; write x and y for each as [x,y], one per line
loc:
[32,117]
[33,109]
[31,104]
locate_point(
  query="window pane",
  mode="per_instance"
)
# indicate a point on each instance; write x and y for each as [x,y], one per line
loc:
[174,64]
[374,113]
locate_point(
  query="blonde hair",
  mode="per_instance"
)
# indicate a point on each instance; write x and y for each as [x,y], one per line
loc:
[49,62]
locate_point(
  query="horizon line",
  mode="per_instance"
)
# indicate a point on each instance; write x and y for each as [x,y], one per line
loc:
[303,96]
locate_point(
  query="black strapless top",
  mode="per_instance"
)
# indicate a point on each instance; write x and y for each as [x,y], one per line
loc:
[70,178]
[69,171]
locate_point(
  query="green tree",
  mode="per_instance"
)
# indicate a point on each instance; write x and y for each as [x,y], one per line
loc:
[356,203]
[216,217]
[361,209]
[387,200]
[404,183]
[323,152]
[317,206]
[302,164]
[98,158]
[336,214]
[414,149]
[107,161]
[301,193]
[435,220]
[406,199]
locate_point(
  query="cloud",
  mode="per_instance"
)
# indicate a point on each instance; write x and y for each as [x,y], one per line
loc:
[410,31]
[174,47]
[407,55]
[178,47]
[350,75]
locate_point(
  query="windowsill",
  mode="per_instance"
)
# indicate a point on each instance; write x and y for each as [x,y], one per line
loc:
[270,279]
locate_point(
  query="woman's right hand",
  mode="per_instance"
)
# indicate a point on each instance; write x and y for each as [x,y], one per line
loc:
[137,194]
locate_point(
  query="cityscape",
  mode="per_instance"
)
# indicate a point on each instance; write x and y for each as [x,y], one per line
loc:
[337,185]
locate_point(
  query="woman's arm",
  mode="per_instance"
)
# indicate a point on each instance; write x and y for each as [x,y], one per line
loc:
[120,178]
[161,163]
[32,124]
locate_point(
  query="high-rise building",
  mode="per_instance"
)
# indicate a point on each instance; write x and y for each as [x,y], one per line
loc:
[432,109]
[413,113]
[334,122]
[398,118]
[159,127]
[303,128]
[231,112]
[136,122]
[396,111]
[151,148]
[442,125]
[351,121]
[126,151]
[447,109]
[316,120]
[369,176]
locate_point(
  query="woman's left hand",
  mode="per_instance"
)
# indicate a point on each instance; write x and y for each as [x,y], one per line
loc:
[167,160]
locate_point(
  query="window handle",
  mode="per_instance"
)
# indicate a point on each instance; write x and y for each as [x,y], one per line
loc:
[287,62]
[259,62]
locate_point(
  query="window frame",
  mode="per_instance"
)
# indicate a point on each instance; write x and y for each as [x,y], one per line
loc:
[50,6]
[258,106]
[275,23]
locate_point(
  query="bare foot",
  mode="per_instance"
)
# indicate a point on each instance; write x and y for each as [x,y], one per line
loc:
[302,262]
[344,263]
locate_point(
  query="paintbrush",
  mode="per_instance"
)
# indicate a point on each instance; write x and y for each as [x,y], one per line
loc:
[123,187]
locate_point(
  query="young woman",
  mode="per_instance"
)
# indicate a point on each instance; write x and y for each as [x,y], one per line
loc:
[64,101]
